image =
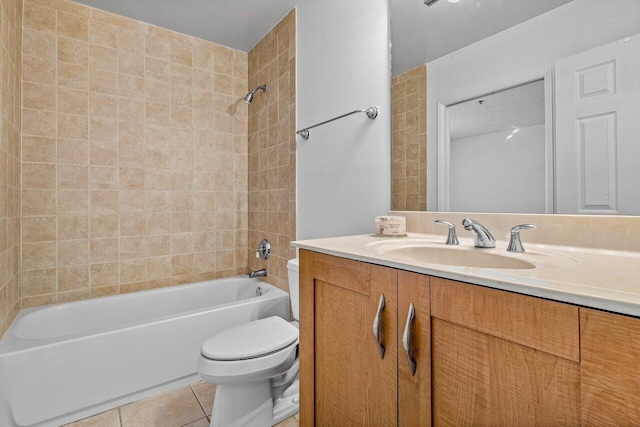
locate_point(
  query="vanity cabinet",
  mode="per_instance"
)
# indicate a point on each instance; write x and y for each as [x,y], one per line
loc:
[610,368]
[483,356]
[503,359]
[344,380]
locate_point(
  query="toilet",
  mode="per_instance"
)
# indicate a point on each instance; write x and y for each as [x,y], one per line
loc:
[254,366]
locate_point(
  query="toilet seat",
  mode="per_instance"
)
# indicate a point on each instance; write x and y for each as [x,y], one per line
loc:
[250,340]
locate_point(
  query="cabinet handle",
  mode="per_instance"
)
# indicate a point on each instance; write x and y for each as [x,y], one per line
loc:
[406,340]
[377,325]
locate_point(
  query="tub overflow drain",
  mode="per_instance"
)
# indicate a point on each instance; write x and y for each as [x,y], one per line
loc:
[258,291]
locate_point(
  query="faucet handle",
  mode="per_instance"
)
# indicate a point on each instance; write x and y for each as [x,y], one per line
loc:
[515,245]
[452,238]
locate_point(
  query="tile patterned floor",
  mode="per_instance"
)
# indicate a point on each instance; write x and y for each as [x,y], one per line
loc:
[184,407]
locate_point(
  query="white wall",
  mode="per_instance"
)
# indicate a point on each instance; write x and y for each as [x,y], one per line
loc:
[512,170]
[343,169]
[519,53]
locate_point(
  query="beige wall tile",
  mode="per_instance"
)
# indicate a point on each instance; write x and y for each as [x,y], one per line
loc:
[38,149]
[39,18]
[103,226]
[39,229]
[131,63]
[38,70]
[73,177]
[103,178]
[73,278]
[103,81]
[103,153]
[38,202]
[72,227]
[102,105]
[73,252]
[113,110]
[73,126]
[73,76]
[132,201]
[39,282]
[106,274]
[73,51]
[39,44]
[132,224]
[103,34]
[132,271]
[103,250]
[73,151]
[39,97]
[132,247]
[73,26]
[73,202]
[38,176]
[103,201]
[158,245]
[103,58]
[72,101]
[38,123]
[38,255]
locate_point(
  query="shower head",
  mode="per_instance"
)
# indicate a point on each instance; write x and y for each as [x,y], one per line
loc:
[249,97]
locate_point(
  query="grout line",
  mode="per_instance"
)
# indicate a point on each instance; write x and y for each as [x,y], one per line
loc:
[198,400]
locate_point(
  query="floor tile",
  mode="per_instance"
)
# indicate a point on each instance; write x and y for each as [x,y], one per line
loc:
[172,409]
[203,422]
[289,422]
[205,393]
[106,419]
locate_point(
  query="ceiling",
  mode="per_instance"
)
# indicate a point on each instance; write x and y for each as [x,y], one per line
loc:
[419,34]
[510,109]
[239,24]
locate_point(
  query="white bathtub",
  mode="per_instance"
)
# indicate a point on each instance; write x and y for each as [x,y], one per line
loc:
[64,362]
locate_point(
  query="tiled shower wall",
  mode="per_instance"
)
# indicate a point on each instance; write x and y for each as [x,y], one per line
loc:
[409,140]
[272,150]
[10,52]
[134,142]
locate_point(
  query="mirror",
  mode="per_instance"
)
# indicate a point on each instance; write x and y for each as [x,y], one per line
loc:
[449,53]
[495,150]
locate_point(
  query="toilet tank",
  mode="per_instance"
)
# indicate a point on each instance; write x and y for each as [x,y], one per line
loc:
[294,287]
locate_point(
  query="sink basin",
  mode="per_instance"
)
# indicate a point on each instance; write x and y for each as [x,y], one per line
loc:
[464,257]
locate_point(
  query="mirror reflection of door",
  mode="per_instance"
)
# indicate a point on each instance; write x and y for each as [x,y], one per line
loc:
[598,129]
[497,151]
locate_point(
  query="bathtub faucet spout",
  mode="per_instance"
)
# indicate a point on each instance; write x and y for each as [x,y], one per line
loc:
[258,273]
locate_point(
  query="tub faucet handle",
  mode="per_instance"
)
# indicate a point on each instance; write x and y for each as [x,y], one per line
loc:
[264,249]
[452,238]
[515,245]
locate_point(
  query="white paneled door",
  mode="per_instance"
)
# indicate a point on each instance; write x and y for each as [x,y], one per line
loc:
[598,130]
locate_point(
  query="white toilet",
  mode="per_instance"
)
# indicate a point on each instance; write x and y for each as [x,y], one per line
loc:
[255,368]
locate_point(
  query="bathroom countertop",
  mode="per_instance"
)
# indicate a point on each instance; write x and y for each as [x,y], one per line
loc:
[603,279]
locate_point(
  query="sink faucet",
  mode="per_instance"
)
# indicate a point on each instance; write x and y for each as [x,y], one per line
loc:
[482,238]
[258,273]
[515,244]
[452,238]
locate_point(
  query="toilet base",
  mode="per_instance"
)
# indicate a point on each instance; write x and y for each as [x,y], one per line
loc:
[241,405]
[251,405]
[288,404]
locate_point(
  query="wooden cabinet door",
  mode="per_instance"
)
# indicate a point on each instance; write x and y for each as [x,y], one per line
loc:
[610,369]
[502,359]
[482,380]
[414,390]
[352,384]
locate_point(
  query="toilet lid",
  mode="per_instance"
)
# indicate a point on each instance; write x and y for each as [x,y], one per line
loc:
[250,340]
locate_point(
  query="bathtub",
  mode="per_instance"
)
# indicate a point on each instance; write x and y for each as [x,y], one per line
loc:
[64,362]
